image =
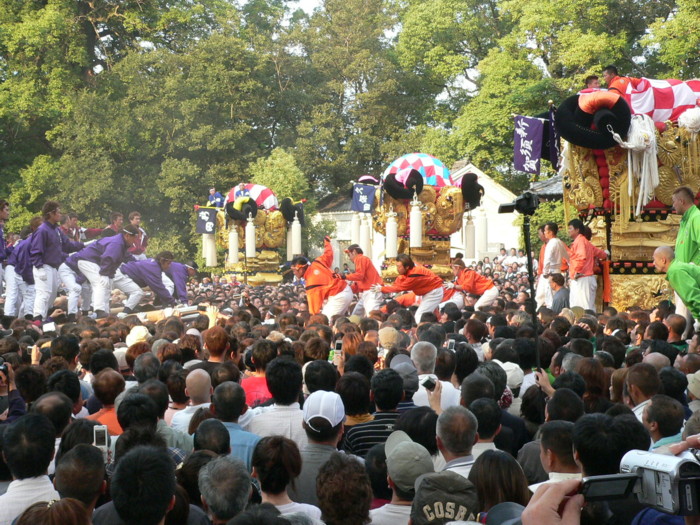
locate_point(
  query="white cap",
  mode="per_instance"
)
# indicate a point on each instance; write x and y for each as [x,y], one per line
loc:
[326,405]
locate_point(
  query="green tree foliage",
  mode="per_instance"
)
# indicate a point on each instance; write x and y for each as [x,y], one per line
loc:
[144,104]
[280,173]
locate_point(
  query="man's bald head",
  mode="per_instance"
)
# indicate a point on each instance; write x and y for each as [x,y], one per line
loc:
[657,360]
[198,386]
[663,256]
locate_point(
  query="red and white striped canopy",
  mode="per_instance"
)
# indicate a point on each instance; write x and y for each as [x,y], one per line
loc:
[262,195]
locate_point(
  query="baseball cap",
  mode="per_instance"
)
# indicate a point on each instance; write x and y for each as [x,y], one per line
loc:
[326,405]
[442,497]
[694,384]
[505,513]
[406,460]
[407,371]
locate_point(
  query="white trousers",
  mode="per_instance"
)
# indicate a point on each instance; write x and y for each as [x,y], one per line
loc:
[682,309]
[369,301]
[429,302]
[46,291]
[68,278]
[457,299]
[582,292]
[169,284]
[544,295]
[2,272]
[338,304]
[487,298]
[28,297]
[13,295]
[133,291]
[101,285]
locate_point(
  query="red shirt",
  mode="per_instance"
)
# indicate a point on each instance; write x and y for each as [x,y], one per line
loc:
[418,279]
[582,257]
[320,281]
[473,282]
[365,274]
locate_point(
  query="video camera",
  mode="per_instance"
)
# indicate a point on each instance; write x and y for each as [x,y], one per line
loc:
[669,484]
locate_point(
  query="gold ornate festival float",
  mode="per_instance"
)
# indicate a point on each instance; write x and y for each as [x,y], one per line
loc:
[417,207]
[619,169]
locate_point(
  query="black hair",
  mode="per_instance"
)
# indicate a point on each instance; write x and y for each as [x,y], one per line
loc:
[599,444]
[137,410]
[527,352]
[667,413]
[466,360]
[66,382]
[320,375]
[28,446]
[565,405]
[80,473]
[571,380]
[353,389]
[360,363]
[476,386]
[375,465]
[57,406]
[143,485]
[496,374]
[387,387]
[557,437]
[488,414]
[228,401]
[211,434]
[146,367]
[65,346]
[420,425]
[102,359]
[284,380]
[158,392]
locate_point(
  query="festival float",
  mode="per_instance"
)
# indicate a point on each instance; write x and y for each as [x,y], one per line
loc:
[417,206]
[251,227]
[622,156]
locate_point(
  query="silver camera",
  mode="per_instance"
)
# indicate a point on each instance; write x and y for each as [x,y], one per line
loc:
[668,483]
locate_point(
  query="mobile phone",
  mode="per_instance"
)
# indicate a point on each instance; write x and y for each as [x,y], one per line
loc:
[608,487]
[429,383]
[338,348]
[451,344]
[100,437]
[49,327]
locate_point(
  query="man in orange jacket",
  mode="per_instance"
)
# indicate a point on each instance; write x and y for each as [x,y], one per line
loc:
[469,281]
[417,279]
[322,284]
[583,255]
[364,276]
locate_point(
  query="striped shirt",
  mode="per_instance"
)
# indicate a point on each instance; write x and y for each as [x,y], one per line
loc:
[360,438]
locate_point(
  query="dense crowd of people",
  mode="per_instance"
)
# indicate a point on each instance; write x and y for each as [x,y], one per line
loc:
[330,399]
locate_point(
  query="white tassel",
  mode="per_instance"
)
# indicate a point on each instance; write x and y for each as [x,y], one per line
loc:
[690,119]
[641,158]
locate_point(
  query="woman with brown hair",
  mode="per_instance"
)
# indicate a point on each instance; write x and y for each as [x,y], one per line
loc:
[498,477]
[595,398]
[277,462]
[60,512]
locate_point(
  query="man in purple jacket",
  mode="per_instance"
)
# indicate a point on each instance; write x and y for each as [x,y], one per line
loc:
[99,261]
[131,277]
[4,216]
[48,249]
[19,292]
[175,279]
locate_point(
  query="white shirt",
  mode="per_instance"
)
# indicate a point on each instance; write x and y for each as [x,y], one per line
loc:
[462,465]
[181,420]
[390,514]
[554,477]
[278,420]
[450,395]
[528,380]
[22,494]
[554,252]
[639,409]
[303,508]
[479,448]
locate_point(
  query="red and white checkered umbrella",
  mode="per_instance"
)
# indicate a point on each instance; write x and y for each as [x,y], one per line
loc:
[663,100]
[262,195]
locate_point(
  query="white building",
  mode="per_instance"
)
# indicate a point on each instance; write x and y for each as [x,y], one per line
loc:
[485,236]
